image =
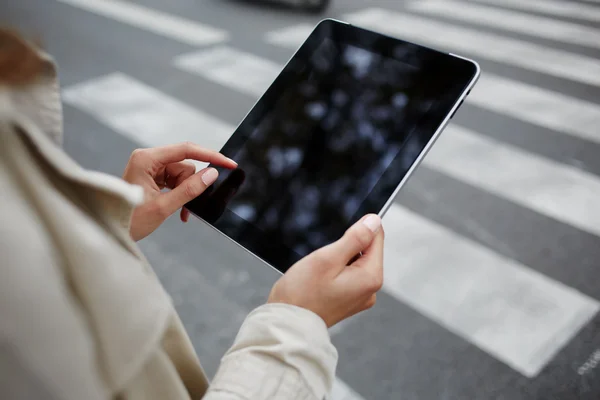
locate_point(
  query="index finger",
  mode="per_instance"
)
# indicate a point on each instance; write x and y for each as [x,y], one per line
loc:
[190,151]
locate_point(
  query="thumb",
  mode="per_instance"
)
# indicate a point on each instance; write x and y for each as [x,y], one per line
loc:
[356,239]
[188,190]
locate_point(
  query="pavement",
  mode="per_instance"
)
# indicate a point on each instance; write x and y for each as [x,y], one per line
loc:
[492,284]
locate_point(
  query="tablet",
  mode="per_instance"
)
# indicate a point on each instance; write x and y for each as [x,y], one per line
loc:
[334,137]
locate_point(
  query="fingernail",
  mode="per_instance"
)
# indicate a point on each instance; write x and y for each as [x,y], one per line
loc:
[232,161]
[373,222]
[210,176]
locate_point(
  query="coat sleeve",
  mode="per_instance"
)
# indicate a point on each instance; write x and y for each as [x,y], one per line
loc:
[280,352]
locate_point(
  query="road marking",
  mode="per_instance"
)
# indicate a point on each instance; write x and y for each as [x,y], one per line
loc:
[232,68]
[177,28]
[556,190]
[291,36]
[547,28]
[537,106]
[144,114]
[552,7]
[517,315]
[515,52]
[533,105]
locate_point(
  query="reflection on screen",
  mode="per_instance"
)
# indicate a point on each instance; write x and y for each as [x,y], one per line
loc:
[314,158]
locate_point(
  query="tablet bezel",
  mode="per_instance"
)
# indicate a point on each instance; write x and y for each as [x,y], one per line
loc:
[267,249]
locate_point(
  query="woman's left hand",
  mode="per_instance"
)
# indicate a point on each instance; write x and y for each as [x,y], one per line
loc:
[155,169]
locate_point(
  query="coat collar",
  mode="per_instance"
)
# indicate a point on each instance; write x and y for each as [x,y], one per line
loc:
[40,101]
[37,110]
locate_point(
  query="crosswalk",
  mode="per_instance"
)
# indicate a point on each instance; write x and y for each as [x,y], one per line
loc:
[538,106]
[480,44]
[144,114]
[564,9]
[160,23]
[558,191]
[515,99]
[226,65]
[536,26]
[511,311]
[517,315]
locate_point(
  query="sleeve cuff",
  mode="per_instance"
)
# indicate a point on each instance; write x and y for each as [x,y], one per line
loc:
[285,348]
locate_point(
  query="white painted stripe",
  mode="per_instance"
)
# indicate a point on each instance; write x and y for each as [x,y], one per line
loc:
[521,317]
[232,68]
[559,8]
[537,106]
[173,27]
[547,28]
[341,391]
[556,190]
[485,45]
[144,114]
[291,36]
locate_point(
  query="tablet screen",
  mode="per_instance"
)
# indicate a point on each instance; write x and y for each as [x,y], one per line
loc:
[328,143]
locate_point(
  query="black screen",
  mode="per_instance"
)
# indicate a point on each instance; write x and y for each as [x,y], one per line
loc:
[330,141]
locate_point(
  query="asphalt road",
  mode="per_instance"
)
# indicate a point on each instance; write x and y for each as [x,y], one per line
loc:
[493,259]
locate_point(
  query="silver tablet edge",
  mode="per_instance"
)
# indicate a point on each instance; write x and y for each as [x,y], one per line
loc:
[435,136]
[236,243]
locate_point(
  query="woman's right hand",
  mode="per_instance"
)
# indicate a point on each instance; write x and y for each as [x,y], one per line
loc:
[325,284]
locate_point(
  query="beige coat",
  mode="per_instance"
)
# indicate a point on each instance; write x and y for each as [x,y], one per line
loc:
[82,315]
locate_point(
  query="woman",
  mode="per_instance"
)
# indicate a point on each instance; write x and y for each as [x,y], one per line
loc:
[82,314]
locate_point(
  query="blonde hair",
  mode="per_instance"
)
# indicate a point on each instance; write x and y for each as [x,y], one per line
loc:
[20,62]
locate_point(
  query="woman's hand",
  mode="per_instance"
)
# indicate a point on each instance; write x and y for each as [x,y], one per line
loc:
[325,284]
[155,169]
